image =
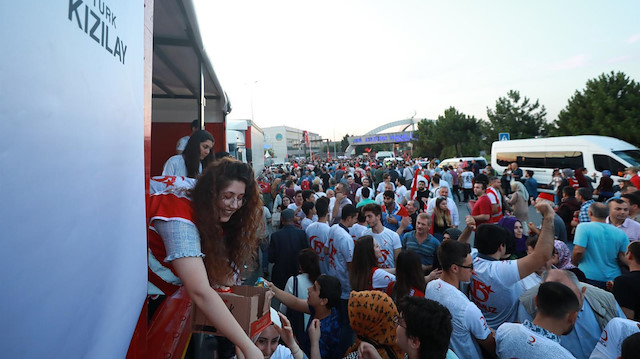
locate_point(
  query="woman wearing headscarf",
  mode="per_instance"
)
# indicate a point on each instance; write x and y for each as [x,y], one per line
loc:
[371,315]
[519,201]
[513,225]
[564,260]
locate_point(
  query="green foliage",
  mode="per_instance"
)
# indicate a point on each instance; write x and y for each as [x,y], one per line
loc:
[608,106]
[344,143]
[516,115]
[454,134]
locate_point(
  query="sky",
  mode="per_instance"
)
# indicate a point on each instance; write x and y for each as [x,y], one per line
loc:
[347,67]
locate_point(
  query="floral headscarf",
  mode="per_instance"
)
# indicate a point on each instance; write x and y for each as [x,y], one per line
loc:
[564,255]
[371,314]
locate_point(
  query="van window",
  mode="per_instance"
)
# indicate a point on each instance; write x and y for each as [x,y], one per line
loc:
[556,159]
[631,156]
[604,162]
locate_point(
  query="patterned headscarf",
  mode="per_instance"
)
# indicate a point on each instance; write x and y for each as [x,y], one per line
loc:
[564,255]
[371,316]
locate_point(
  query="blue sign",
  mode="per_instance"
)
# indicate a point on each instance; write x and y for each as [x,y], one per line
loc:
[504,136]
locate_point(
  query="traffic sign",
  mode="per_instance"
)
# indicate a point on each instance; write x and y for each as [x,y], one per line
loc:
[504,136]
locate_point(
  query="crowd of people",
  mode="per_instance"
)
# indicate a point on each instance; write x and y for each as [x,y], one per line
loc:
[369,259]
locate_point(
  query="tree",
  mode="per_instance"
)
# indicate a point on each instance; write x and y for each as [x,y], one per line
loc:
[344,143]
[459,134]
[427,144]
[522,119]
[608,106]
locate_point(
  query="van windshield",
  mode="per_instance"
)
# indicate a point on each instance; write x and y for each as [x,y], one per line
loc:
[631,156]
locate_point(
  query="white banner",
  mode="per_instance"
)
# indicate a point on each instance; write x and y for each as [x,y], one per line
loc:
[73,236]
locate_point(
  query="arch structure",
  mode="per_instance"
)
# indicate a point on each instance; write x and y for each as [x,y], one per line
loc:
[388,138]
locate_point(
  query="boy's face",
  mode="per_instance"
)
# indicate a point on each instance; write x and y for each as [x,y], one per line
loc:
[314,295]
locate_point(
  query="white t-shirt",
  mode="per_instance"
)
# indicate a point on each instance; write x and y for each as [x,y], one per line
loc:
[380,188]
[494,289]
[175,166]
[455,216]
[182,143]
[380,199]
[318,236]
[528,341]
[388,241]
[381,279]
[400,193]
[466,318]
[467,179]
[332,203]
[303,285]
[305,223]
[356,231]
[340,253]
[610,343]
[359,194]
[529,281]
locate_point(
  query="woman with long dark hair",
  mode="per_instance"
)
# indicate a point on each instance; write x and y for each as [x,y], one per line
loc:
[203,236]
[365,272]
[409,278]
[196,155]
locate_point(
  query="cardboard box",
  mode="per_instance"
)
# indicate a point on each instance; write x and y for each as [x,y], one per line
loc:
[247,305]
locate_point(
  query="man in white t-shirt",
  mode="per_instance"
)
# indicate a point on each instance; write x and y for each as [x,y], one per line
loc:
[466,178]
[386,179]
[495,196]
[494,286]
[610,343]
[400,192]
[467,320]
[365,183]
[557,313]
[182,142]
[444,192]
[380,197]
[388,240]
[358,229]
[318,232]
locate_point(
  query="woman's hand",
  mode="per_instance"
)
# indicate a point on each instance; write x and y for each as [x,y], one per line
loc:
[286,332]
[368,351]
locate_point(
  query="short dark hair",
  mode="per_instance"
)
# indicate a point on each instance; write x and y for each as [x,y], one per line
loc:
[365,192]
[400,180]
[299,192]
[556,300]
[361,216]
[349,210]
[330,289]
[483,183]
[195,124]
[634,249]
[315,187]
[373,208]
[322,206]
[429,322]
[633,197]
[585,193]
[630,346]
[452,252]
[530,173]
[489,237]
[389,194]
[307,207]
[306,194]
[569,191]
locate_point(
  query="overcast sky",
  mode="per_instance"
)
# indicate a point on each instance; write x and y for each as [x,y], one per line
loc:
[350,66]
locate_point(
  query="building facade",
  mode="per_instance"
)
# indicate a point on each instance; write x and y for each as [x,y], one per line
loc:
[289,143]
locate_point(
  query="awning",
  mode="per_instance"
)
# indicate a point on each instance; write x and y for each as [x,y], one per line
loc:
[178,54]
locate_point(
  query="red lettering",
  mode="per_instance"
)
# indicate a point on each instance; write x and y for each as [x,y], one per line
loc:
[480,291]
[316,245]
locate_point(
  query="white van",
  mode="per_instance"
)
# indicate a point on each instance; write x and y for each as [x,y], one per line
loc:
[542,155]
[455,161]
[386,156]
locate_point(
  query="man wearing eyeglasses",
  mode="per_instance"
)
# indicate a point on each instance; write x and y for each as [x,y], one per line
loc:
[467,319]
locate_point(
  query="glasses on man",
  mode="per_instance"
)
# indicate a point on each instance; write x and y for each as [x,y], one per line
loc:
[398,321]
[468,267]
